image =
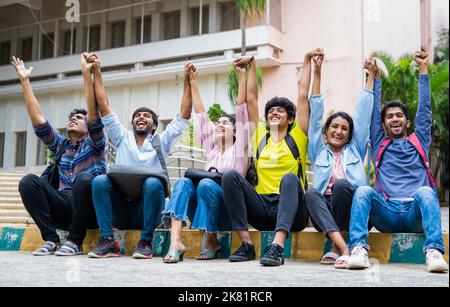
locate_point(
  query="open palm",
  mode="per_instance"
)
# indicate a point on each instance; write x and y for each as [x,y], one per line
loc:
[21,70]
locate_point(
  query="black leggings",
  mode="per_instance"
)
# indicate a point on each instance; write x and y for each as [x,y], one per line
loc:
[284,212]
[331,213]
[71,210]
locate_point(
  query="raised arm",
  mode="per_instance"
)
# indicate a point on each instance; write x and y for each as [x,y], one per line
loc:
[318,61]
[86,68]
[423,121]
[377,133]
[304,84]
[364,109]
[186,103]
[315,142]
[100,92]
[33,108]
[242,88]
[252,89]
[199,107]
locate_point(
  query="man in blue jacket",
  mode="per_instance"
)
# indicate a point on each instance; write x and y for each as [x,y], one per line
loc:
[404,198]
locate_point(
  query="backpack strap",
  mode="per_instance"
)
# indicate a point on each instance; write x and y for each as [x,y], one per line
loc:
[262,145]
[156,143]
[418,146]
[384,145]
[62,151]
[296,153]
[292,147]
[414,140]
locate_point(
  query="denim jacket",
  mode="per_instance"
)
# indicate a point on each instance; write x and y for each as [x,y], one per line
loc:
[353,154]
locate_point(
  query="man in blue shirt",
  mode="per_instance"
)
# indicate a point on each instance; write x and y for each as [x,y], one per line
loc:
[133,148]
[404,199]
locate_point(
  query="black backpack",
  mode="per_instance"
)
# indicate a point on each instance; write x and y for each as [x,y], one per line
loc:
[51,173]
[252,176]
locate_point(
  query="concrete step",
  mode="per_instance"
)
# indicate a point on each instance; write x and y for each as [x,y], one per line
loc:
[15,219]
[13,213]
[12,174]
[10,194]
[13,225]
[11,206]
[9,183]
[4,189]
[10,200]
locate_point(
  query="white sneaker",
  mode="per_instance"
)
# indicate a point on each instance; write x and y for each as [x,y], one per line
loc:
[359,259]
[436,262]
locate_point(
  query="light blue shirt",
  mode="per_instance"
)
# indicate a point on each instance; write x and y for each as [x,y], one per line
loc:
[353,154]
[127,151]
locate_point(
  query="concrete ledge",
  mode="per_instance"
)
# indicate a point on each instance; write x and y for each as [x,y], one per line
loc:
[307,246]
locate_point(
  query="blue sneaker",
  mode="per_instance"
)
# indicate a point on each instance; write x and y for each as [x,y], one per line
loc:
[144,250]
[106,248]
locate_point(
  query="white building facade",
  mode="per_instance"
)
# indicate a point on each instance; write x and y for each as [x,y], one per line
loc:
[145,43]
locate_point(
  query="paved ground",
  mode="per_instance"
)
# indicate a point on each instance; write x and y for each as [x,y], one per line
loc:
[22,269]
[445,219]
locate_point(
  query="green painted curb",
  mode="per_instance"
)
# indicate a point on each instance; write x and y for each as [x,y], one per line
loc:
[407,248]
[11,238]
[267,239]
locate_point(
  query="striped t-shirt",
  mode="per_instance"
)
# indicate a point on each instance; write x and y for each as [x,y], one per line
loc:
[87,156]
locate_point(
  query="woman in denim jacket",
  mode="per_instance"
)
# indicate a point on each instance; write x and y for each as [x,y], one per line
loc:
[337,154]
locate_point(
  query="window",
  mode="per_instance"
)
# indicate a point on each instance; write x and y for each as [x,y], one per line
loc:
[118,34]
[21,145]
[68,47]
[195,20]
[147,29]
[2,148]
[5,52]
[41,158]
[27,49]
[172,24]
[94,38]
[47,45]
[229,16]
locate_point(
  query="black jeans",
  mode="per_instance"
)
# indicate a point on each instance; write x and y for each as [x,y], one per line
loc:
[331,213]
[284,212]
[71,210]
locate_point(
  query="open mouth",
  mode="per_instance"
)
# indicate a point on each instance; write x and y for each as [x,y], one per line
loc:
[337,138]
[73,124]
[141,125]
[275,119]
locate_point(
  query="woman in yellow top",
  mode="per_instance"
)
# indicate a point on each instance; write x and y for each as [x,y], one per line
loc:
[280,154]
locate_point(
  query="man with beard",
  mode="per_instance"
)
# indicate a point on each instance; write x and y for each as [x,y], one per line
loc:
[404,198]
[82,157]
[134,148]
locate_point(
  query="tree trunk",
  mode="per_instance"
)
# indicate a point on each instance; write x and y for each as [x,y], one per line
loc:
[244,36]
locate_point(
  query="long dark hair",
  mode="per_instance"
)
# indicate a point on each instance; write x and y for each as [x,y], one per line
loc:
[345,116]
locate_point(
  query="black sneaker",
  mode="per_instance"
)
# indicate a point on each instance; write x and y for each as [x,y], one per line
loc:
[273,256]
[143,250]
[245,253]
[106,248]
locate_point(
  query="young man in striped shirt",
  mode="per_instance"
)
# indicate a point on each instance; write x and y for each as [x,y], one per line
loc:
[68,206]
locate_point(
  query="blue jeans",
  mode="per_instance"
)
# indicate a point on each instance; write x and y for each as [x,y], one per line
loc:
[203,205]
[422,214]
[142,215]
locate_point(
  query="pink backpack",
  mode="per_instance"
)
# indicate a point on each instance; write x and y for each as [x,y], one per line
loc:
[416,143]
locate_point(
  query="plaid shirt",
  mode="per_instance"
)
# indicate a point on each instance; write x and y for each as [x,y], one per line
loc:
[87,156]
